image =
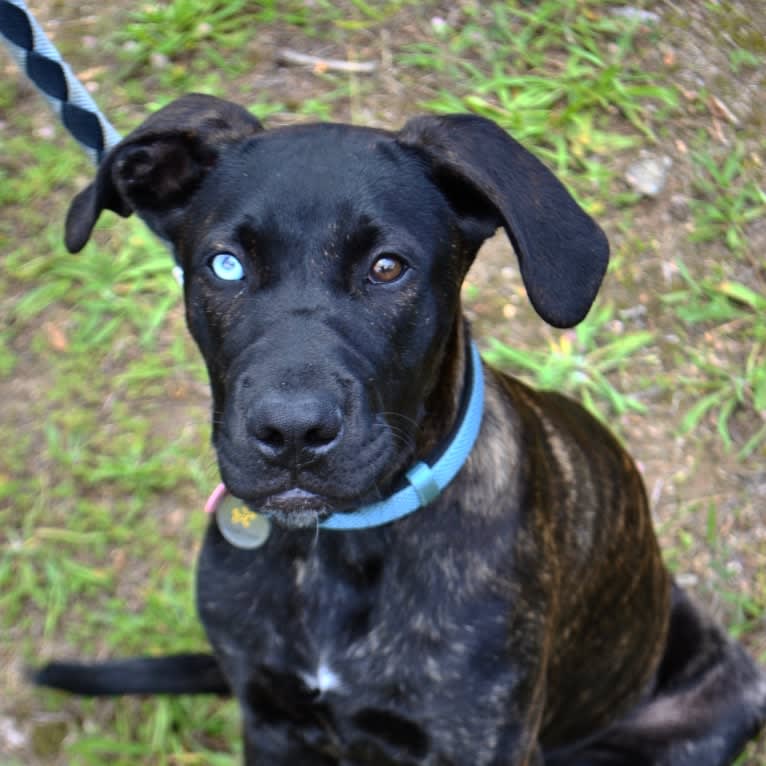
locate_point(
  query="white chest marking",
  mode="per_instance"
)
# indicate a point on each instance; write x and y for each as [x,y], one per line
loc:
[325,680]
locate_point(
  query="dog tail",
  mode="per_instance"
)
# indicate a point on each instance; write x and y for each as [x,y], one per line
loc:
[171,674]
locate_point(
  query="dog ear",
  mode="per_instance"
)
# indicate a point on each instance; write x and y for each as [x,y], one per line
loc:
[562,252]
[155,169]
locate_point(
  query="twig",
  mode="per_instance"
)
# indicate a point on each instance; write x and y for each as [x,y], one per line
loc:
[321,64]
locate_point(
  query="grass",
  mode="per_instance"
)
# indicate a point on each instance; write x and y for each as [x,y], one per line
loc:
[743,606]
[579,362]
[729,311]
[558,76]
[192,43]
[726,200]
[105,461]
[177,29]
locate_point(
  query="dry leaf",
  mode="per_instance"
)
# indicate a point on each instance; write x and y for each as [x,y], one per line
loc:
[57,338]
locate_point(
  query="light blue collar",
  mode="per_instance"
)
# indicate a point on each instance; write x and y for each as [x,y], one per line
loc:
[425,482]
[246,529]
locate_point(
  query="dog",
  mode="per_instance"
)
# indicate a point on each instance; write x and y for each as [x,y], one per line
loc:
[448,567]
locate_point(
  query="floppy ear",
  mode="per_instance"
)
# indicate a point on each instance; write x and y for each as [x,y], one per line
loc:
[155,169]
[562,252]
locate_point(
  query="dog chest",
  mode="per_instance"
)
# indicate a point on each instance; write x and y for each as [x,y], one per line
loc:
[349,655]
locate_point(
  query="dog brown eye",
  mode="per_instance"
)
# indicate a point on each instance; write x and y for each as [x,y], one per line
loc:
[387,268]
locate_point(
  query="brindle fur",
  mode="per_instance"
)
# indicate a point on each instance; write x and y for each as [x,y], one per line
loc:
[523,617]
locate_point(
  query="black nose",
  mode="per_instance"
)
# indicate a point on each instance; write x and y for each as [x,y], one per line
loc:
[286,428]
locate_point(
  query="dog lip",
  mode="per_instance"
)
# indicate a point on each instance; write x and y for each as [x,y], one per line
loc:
[295,501]
[294,497]
[287,500]
[297,508]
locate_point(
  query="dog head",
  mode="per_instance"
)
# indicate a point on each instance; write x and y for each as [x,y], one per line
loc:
[323,266]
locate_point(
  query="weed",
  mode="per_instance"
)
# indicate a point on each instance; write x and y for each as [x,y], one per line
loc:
[7,356]
[741,58]
[743,607]
[725,201]
[554,75]
[175,29]
[149,732]
[730,310]
[102,282]
[580,362]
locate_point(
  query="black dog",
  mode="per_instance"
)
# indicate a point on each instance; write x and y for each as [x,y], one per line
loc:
[523,615]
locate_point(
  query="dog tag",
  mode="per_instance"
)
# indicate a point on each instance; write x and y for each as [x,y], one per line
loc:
[239,525]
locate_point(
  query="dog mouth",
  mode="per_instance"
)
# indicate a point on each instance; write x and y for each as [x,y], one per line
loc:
[307,497]
[294,508]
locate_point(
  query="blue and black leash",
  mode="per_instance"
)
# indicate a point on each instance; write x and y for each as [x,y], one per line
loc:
[42,63]
[38,58]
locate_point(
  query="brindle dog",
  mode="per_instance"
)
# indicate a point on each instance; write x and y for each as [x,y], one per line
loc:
[524,616]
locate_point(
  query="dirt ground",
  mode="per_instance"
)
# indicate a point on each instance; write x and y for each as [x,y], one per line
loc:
[686,473]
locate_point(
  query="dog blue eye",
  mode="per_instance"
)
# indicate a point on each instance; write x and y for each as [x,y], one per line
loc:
[227,266]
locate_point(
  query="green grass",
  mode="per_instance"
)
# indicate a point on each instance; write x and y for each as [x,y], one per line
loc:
[105,459]
[558,75]
[177,29]
[192,44]
[100,510]
[579,362]
[729,311]
[726,198]
[744,609]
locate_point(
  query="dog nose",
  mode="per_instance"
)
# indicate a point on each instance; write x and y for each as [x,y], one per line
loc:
[291,427]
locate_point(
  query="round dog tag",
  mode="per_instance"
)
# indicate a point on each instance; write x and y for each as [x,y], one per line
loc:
[239,525]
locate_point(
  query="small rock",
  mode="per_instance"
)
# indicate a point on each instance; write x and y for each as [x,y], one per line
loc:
[633,312]
[687,579]
[46,132]
[636,14]
[11,736]
[159,60]
[649,174]
[679,207]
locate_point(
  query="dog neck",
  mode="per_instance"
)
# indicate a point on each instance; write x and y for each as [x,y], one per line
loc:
[442,404]
[428,477]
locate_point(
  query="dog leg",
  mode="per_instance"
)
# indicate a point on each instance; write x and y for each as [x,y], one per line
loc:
[709,700]
[269,747]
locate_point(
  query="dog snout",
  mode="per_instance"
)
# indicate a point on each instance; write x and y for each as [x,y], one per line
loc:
[288,428]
